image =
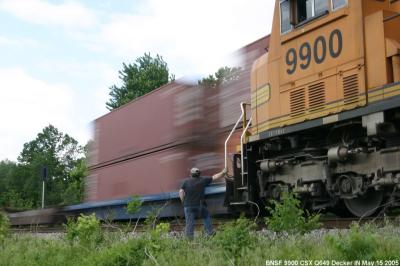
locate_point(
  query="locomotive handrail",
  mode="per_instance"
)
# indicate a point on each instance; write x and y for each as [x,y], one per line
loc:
[391,17]
[241,147]
[242,106]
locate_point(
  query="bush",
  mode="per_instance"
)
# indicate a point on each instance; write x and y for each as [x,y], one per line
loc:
[86,230]
[162,229]
[151,218]
[134,205]
[288,216]
[4,226]
[357,243]
[235,236]
[131,252]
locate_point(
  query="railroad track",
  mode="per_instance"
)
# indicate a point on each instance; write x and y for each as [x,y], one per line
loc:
[175,225]
[179,225]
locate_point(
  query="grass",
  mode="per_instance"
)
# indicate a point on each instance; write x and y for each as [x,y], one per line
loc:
[254,248]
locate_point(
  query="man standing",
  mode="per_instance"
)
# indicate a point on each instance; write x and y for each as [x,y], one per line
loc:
[192,196]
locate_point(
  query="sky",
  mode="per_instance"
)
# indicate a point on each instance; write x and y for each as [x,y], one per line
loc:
[58,58]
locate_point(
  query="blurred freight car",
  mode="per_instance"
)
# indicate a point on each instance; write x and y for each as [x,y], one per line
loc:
[147,146]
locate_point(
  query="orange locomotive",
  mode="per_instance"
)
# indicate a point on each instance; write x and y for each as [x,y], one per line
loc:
[325,108]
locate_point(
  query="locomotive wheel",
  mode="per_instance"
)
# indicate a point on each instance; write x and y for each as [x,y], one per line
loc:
[365,205]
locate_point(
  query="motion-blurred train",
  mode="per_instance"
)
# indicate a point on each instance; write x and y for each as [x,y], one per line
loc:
[325,108]
[148,146]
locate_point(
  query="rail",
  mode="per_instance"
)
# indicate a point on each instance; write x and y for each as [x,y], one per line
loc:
[177,225]
[391,17]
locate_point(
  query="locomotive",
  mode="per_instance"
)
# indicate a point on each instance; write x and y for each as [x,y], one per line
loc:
[325,109]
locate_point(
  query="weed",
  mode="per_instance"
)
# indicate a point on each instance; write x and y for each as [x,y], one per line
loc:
[4,226]
[357,243]
[151,218]
[162,229]
[86,230]
[134,205]
[288,216]
[234,237]
[234,244]
[131,252]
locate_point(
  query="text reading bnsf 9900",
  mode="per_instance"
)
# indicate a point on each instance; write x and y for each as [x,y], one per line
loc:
[317,51]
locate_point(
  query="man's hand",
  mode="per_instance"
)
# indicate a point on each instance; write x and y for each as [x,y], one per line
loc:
[182,194]
[220,174]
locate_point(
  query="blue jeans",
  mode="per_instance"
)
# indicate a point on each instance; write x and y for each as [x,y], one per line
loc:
[193,212]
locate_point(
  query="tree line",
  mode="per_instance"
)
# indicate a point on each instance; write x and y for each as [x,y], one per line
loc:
[65,159]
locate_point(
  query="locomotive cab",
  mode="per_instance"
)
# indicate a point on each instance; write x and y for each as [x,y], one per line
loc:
[325,107]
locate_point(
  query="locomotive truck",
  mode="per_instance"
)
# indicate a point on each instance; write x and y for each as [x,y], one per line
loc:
[325,109]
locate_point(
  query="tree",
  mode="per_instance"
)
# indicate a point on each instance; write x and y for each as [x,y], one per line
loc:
[74,191]
[61,154]
[223,75]
[20,183]
[145,75]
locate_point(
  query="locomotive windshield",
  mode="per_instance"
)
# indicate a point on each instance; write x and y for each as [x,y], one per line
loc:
[297,12]
[285,16]
[307,9]
[338,4]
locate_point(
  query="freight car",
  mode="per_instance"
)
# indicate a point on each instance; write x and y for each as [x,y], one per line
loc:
[325,102]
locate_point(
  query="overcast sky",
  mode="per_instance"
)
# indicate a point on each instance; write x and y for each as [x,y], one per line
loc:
[58,58]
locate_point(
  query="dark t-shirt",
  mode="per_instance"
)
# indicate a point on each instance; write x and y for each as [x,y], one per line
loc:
[194,190]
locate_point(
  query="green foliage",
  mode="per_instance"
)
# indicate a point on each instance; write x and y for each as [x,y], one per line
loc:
[12,193]
[86,230]
[288,216]
[118,249]
[222,76]
[162,228]
[131,252]
[145,75]
[156,243]
[235,236]
[60,153]
[4,226]
[357,243]
[152,218]
[159,231]
[21,184]
[134,205]
[16,200]
[76,183]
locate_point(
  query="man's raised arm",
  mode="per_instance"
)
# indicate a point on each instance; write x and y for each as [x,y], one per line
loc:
[219,175]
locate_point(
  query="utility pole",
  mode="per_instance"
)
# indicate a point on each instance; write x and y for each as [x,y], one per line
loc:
[45,174]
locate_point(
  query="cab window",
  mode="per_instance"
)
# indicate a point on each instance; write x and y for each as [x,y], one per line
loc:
[294,13]
[321,7]
[336,4]
[307,9]
[285,16]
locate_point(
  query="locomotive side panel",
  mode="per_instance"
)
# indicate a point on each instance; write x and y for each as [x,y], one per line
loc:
[315,69]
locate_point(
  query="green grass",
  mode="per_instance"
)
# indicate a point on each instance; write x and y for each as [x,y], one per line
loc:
[252,248]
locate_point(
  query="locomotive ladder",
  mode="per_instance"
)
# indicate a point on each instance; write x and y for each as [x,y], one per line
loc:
[243,157]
